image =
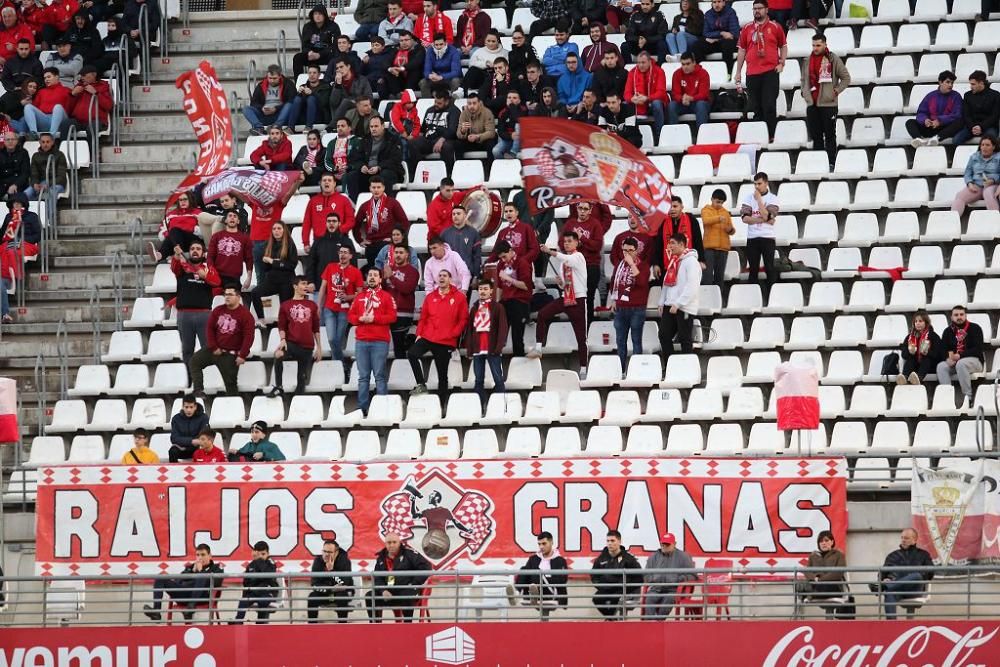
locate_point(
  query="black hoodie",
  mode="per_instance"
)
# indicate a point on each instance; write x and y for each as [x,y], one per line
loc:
[342,563]
[184,429]
[86,40]
[623,561]
[322,39]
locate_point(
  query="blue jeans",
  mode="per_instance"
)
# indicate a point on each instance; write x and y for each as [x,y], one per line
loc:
[56,190]
[19,126]
[365,32]
[479,362]
[506,146]
[258,261]
[964,135]
[311,105]
[371,357]
[700,109]
[39,121]
[655,109]
[626,320]
[336,329]
[904,586]
[5,284]
[258,119]
[680,42]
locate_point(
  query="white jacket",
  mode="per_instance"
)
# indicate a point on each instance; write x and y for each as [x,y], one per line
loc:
[686,292]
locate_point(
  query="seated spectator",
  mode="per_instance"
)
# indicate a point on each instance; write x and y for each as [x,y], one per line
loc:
[319,37]
[819,587]
[515,283]
[258,448]
[963,348]
[521,54]
[690,91]
[610,77]
[275,154]
[376,219]
[572,84]
[369,14]
[588,110]
[378,155]
[341,282]
[360,115]
[719,35]
[188,592]
[824,78]
[980,110]
[404,119]
[586,14]
[531,85]
[395,24]
[298,328]
[896,585]
[982,177]
[13,103]
[407,65]
[140,454]
[84,39]
[344,51]
[196,282]
[816,10]
[442,67]
[618,118]
[375,66]
[646,88]
[442,323]
[212,218]
[311,104]
[618,14]
[922,350]
[325,251]
[334,590]
[679,297]
[432,23]
[63,60]
[485,338]
[347,87]
[550,106]
[476,129]
[493,93]
[258,592]
[482,64]
[22,220]
[229,335]
[571,276]
[186,428]
[15,167]
[939,115]
[119,47]
[206,451]
[47,111]
[271,102]
[545,591]
[309,159]
[179,223]
[664,587]
[687,27]
[508,134]
[86,89]
[613,593]
[280,260]
[372,314]
[336,155]
[12,32]
[471,29]
[24,65]
[438,134]
[397,238]
[627,297]
[717,243]
[463,239]
[402,593]
[146,24]
[551,14]
[400,278]
[554,58]
[646,32]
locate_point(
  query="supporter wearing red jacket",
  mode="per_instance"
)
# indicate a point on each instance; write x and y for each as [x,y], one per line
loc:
[522,237]
[322,204]
[401,278]
[439,210]
[230,335]
[49,107]
[207,452]
[591,235]
[442,321]
[340,284]
[275,154]
[516,287]
[377,217]
[179,223]
[372,313]
[646,88]
[404,117]
[12,32]
[230,251]
[88,87]
[690,92]
[431,22]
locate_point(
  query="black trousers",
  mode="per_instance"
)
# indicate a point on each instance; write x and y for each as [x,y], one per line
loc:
[401,607]
[921,368]
[518,313]
[339,600]
[304,357]
[421,147]
[915,129]
[181,452]
[593,282]
[678,324]
[354,181]
[300,61]
[399,330]
[441,355]
[761,249]
[225,362]
[762,98]
[372,250]
[822,125]
[727,47]
[176,237]
[274,282]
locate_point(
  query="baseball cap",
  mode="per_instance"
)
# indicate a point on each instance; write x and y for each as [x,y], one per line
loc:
[667,538]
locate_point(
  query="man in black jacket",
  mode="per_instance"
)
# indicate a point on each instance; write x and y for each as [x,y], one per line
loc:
[271,101]
[963,345]
[618,117]
[380,153]
[185,427]
[15,167]
[647,30]
[897,585]
[189,592]
[326,249]
[531,85]
[614,589]
[331,590]
[545,591]
[212,216]
[438,132]
[400,593]
[258,592]
[23,65]
[407,66]
[610,77]
[980,110]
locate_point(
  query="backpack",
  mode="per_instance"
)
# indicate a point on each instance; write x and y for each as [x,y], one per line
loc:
[890,366]
[729,101]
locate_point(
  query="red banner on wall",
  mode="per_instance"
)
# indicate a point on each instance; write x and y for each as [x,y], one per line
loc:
[95,520]
[565,161]
[517,644]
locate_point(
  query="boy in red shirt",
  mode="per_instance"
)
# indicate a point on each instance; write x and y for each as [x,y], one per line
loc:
[442,322]
[377,217]
[207,452]
[372,312]
[230,251]
[319,208]
[690,90]
[484,340]
[341,281]
[49,107]
[763,48]
[522,237]
[298,326]
[400,279]
[439,210]
[514,278]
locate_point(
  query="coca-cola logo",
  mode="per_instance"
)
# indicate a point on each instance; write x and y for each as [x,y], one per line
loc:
[931,645]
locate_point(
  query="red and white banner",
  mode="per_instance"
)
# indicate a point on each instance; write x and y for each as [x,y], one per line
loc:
[95,520]
[208,110]
[515,644]
[956,512]
[565,161]
[9,429]
[797,388]
[257,187]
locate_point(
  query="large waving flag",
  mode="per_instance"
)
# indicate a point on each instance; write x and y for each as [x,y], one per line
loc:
[9,430]
[564,162]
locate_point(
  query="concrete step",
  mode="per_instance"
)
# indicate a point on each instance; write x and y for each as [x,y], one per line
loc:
[166,123]
[81,281]
[178,157]
[78,346]
[167,92]
[230,63]
[68,252]
[142,199]
[161,168]
[51,314]
[224,28]
[102,221]
[150,184]
[196,44]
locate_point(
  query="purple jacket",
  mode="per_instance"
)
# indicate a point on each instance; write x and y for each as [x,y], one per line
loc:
[945,108]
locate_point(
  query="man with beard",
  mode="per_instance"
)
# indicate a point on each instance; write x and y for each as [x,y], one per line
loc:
[196,280]
[407,65]
[610,77]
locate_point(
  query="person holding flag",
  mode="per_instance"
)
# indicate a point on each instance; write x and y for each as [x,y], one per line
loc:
[571,271]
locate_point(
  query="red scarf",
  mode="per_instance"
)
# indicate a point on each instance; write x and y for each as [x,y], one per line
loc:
[623,280]
[569,293]
[346,82]
[683,227]
[469,32]
[819,68]
[340,154]
[481,324]
[402,57]
[493,84]
[673,264]
[960,335]
[921,341]
[427,31]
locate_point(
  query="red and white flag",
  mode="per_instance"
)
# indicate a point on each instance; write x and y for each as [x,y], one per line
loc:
[9,430]
[797,388]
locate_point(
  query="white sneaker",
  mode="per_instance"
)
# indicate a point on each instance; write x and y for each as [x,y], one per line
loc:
[535,352]
[918,142]
[458,93]
[933,141]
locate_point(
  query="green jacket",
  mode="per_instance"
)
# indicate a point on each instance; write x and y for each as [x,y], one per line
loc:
[265,447]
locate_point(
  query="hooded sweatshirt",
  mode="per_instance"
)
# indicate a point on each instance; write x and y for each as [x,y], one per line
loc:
[184,429]
[685,292]
[321,39]
[400,113]
[594,53]
[676,560]
[557,582]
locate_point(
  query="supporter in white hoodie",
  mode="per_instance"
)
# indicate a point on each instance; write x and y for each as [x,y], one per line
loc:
[679,296]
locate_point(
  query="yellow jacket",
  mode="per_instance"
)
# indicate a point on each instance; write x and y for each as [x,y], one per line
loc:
[718,227]
[145,455]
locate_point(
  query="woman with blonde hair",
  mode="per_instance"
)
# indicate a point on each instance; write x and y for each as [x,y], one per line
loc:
[921,350]
[280,259]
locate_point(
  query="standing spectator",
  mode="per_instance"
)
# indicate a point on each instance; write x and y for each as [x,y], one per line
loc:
[464,239]
[179,224]
[47,110]
[980,110]
[280,261]
[311,105]
[485,338]
[572,83]
[375,66]
[67,63]
[341,283]
[298,328]
[679,296]
[439,210]
[372,313]
[196,281]
[401,278]
[644,244]
[82,94]
[824,78]
[719,228]
[438,134]
[514,278]
[309,159]
[319,35]
[571,275]
[275,154]
[404,118]
[687,28]
[207,452]
[613,591]
[921,350]
[369,14]
[722,28]
[432,23]
[442,67]
[521,54]
[476,129]
[402,593]
[185,429]
[270,103]
[594,53]
[590,239]
[230,253]
[379,155]
[664,587]
[140,454]
[619,119]
[325,251]
[407,65]
[258,448]
[759,210]
[47,152]
[327,201]
[23,65]
[189,592]
[554,58]
[347,88]
[472,27]
[521,236]
[551,14]
[337,152]
[939,115]
[228,339]
[264,218]
[982,176]
[544,591]
[443,258]
[12,105]
[508,135]
[690,91]
[646,88]
[896,585]
[763,48]
[331,590]
[377,217]
[646,32]
[259,592]
[493,92]
[395,24]
[627,299]
[609,78]
[442,323]
[963,347]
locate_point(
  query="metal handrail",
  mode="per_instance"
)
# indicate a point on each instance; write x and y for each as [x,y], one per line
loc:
[117,282]
[136,243]
[62,350]
[73,175]
[996,407]
[95,320]
[94,134]
[19,241]
[186,13]
[164,34]
[281,51]
[144,44]
[251,77]
[41,391]
[235,110]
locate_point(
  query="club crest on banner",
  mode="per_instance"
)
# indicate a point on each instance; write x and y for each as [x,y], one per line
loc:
[944,497]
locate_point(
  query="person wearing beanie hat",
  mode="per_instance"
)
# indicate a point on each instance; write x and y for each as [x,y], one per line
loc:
[663,586]
[259,448]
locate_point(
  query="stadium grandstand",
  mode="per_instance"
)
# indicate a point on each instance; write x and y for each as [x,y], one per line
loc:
[383,311]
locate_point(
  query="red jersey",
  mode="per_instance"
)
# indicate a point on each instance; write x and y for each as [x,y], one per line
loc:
[443,317]
[213,455]
[378,303]
[523,241]
[402,285]
[643,250]
[340,280]
[280,153]
[439,214]
[299,319]
[518,269]
[229,252]
[318,208]
[762,43]
[591,235]
[379,216]
[230,330]
[627,290]
[263,218]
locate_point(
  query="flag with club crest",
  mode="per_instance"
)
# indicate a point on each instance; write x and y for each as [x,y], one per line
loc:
[254,186]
